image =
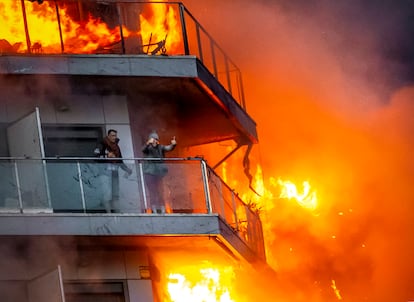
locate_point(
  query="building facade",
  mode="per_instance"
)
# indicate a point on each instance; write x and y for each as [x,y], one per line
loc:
[105,65]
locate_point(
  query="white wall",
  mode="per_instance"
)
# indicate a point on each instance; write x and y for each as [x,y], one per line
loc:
[140,291]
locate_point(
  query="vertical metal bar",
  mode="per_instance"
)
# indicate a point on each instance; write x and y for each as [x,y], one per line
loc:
[213,57]
[62,46]
[19,192]
[121,32]
[222,200]
[141,175]
[39,131]
[43,161]
[26,29]
[62,292]
[243,103]
[80,9]
[226,65]
[200,48]
[218,183]
[49,199]
[234,210]
[206,186]
[81,186]
[184,28]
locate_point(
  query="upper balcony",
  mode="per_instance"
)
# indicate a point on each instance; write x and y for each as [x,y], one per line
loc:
[158,44]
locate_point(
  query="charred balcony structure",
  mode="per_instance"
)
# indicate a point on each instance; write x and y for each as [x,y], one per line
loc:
[69,72]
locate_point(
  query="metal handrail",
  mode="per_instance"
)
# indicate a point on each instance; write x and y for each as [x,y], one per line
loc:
[183,13]
[212,206]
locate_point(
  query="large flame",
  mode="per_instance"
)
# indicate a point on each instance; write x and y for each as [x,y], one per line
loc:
[209,284]
[306,198]
[12,29]
[159,28]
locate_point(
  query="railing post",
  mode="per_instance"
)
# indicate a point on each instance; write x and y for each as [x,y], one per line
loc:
[242,100]
[62,46]
[233,202]
[206,186]
[184,29]
[200,47]
[213,58]
[121,32]
[19,192]
[26,29]
[81,186]
[141,175]
[46,178]
[226,64]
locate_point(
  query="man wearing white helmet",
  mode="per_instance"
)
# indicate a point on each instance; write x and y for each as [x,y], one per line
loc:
[154,170]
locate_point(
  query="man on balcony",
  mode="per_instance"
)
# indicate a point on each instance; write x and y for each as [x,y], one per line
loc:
[155,170]
[109,148]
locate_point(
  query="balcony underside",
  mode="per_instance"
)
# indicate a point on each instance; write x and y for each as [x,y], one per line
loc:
[205,233]
[205,112]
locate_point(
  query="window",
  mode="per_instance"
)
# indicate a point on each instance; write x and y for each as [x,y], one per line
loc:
[99,291]
[71,141]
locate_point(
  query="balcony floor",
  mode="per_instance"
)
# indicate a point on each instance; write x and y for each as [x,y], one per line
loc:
[200,231]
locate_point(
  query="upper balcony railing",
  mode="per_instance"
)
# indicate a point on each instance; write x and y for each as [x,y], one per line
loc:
[89,185]
[114,27]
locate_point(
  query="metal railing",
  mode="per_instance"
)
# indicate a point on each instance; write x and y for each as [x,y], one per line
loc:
[89,185]
[116,27]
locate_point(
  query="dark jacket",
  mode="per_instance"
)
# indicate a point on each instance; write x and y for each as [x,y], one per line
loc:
[156,167]
[106,146]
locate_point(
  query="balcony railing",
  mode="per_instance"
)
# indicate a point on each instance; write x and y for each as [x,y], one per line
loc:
[115,27]
[84,185]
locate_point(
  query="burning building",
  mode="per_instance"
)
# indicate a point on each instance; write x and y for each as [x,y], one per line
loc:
[70,71]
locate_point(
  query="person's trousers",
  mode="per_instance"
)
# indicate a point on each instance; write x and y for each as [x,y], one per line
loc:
[154,185]
[110,190]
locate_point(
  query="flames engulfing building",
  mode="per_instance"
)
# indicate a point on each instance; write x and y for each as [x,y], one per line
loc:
[71,70]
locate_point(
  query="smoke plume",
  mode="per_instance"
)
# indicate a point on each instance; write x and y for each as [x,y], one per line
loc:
[329,87]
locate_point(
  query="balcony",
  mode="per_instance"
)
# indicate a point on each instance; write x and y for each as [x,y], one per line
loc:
[114,28]
[64,196]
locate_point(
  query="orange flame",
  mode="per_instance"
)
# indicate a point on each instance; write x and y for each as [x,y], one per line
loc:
[336,290]
[206,285]
[12,29]
[306,199]
[80,36]
[89,36]
[162,25]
